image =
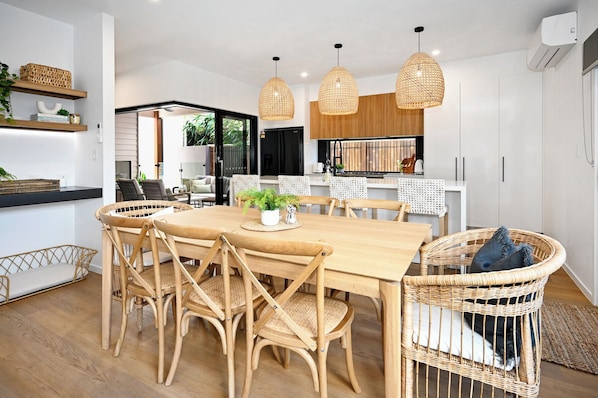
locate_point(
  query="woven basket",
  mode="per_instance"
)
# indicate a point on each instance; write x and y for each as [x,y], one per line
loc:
[46,75]
[24,186]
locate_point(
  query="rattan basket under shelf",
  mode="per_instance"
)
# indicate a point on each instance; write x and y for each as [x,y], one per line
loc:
[47,75]
[25,186]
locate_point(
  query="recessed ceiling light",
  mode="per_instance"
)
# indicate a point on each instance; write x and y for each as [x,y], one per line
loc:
[304,74]
[435,52]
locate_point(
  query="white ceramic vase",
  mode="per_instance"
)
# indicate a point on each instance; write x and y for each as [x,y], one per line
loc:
[270,217]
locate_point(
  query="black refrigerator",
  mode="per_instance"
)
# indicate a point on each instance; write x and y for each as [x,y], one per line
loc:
[281,151]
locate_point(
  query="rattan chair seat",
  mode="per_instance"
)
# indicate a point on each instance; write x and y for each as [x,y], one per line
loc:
[300,307]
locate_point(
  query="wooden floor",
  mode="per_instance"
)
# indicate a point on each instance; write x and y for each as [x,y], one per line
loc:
[50,347]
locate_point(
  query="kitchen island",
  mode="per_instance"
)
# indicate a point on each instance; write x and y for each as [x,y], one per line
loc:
[386,188]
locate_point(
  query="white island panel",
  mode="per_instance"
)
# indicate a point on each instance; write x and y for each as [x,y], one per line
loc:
[386,188]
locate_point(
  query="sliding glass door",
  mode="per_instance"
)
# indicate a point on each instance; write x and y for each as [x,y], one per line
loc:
[236,149]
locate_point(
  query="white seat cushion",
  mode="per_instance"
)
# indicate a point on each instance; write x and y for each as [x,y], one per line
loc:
[36,279]
[465,342]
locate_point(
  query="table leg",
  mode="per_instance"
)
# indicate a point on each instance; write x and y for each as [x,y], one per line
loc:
[107,253]
[390,293]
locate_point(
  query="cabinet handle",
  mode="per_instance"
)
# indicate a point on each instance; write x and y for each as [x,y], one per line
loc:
[456,176]
[503,169]
[463,168]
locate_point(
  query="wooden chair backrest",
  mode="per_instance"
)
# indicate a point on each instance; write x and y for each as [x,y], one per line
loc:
[401,208]
[206,237]
[240,249]
[322,201]
[124,216]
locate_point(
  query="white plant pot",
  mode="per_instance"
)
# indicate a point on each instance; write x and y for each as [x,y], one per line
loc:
[270,217]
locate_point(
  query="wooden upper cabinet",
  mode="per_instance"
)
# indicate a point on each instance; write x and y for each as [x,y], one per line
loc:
[378,116]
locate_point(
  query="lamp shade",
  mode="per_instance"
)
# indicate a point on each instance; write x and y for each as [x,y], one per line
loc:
[420,83]
[338,93]
[276,98]
[276,101]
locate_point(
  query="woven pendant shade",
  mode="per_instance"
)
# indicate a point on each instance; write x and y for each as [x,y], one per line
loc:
[420,83]
[338,92]
[276,100]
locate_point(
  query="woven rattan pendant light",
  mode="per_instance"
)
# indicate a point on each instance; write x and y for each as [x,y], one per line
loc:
[276,98]
[420,83]
[338,91]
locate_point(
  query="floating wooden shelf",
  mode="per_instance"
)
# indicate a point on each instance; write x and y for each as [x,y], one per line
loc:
[34,125]
[50,91]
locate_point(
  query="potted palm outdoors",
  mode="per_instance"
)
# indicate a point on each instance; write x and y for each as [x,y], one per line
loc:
[268,202]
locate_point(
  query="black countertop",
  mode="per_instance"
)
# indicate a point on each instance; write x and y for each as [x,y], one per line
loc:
[65,194]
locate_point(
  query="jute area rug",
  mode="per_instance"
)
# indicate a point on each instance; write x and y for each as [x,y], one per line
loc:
[570,336]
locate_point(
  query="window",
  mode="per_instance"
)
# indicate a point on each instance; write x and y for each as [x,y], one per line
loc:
[375,155]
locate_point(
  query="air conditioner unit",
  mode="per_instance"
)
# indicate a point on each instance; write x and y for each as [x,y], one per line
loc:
[555,36]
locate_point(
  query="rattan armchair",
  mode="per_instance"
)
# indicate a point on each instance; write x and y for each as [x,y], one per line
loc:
[156,284]
[295,321]
[438,337]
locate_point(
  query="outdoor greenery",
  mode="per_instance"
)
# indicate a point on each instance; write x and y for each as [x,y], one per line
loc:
[7,79]
[267,199]
[201,131]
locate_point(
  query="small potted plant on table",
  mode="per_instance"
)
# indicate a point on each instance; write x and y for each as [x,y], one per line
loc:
[268,202]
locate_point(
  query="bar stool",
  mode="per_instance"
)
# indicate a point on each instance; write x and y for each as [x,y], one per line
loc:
[342,188]
[426,197]
[241,182]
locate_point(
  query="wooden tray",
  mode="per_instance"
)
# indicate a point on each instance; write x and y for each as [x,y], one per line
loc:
[24,186]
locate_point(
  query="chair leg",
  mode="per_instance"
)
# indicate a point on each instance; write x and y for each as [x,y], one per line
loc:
[160,324]
[123,326]
[178,345]
[349,360]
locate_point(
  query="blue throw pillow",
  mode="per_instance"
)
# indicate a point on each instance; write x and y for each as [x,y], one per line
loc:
[499,246]
[503,333]
[521,257]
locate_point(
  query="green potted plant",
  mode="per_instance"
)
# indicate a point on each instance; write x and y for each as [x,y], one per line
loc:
[339,167]
[268,202]
[6,176]
[7,79]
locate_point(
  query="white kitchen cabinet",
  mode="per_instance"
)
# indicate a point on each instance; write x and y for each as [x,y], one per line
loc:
[520,183]
[488,133]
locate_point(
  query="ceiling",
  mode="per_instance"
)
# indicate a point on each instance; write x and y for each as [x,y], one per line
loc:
[238,38]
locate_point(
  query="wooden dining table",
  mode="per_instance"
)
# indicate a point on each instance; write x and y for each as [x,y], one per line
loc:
[370,258]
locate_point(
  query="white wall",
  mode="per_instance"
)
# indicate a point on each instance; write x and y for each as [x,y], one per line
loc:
[87,50]
[569,180]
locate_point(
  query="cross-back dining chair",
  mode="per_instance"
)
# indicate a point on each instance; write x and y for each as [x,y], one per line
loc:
[398,209]
[326,204]
[296,321]
[370,207]
[130,189]
[219,299]
[128,225]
